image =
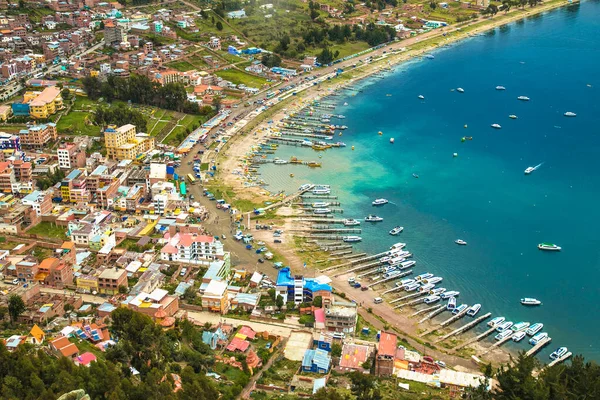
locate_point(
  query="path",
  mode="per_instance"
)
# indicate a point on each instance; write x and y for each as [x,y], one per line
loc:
[248,389]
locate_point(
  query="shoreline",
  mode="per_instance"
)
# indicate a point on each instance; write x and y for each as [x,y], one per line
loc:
[243,142]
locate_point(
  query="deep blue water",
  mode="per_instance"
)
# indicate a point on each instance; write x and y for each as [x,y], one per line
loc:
[483,196]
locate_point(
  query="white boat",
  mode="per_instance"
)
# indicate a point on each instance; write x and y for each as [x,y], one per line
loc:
[429,56]
[473,310]
[437,291]
[351,222]
[379,202]
[517,337]
[538,338]
[569,114]
[397,246]
[503,335]
[434,280]
[385,259]
[396,231]
[392,140]
[305,187]
[528,301]
[279,161]
[500,88]
[321,190]
[421,97]
[407,264]
[421,277]
[523,98]
[512,116]
[373,218]
[496,126]
[411,287]
[535,328]
[405,282]
[320,204]
[391,274]
[306,143]
[451,303]
[431,299]
[529,170]
[520,326]
[496,321]
[449,294]
[460,309]
[460,90]
[426,288]
[549,247]
[460,242]
[321,211]
[558,353]
[505,326]
[351,239]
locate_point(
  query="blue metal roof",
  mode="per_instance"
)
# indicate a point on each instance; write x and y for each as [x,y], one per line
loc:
[320,358]
[285,278]
[314,286]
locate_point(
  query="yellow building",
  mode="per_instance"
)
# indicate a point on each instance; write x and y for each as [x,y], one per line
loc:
[94,73]
[5,112]
[123,143]
[87,283]
[44,104]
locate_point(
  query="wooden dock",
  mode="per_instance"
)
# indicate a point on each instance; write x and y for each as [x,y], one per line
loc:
[425,310]
[359,268]
[432,314]
[476,338]
[455,317]
[559,360]
[354,262]
[401,275]
[538,346]
[394,289]
[496,345]
[465,327]
[407,297]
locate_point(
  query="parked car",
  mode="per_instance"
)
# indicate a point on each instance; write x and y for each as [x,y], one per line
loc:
[364,288]
[277,241]
[260,260]
[183,271]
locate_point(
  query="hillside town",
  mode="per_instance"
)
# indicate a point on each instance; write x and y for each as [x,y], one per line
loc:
[113,119]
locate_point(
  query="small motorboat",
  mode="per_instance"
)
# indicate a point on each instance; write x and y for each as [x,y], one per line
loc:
[496,321]
[415,175]
[523,98]
[517,337]
[549,247]
[500,88]
[496,126]
[396,231]
[558,353]
[512,116]
[460,242]
[351,222]
[421,97]
[351,239]
[379,202]
[569,114]
[373,218]
[460,90]
[392,140]
[473,310]
[528,301]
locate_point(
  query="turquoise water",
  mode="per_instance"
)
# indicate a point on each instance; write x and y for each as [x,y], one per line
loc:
[483,196]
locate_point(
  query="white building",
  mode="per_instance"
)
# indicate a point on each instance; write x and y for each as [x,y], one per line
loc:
[191,249]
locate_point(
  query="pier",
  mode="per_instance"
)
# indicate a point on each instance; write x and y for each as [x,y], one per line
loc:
[497,344]
[432,314]
[359,268]
[559,360]
[394,289]
[476,338]
[425,310]
[354,262]
[455,317]
[538,346]
[465,328]
[410,296]
[403,274]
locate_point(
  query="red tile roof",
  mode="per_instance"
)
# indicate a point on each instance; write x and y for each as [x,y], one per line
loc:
[238,344]
[69,350]
[387,344]
[248,332]
[353,355]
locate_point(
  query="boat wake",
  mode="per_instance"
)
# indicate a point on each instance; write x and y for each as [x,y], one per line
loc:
[537,166]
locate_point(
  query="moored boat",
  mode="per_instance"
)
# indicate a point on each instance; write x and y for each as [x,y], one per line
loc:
[431,299]
[460,309]
[451,303]
[373,218]
[558,353]
[520,326]
[322,211]
[351,222]
[397,246]
[426,288]
[407,264]
[449,294]
[421,277]
[535,328]
[473,310]
[379,202]
[538,338]
[505,326]
[517,337]
[320,204]
[351,239]
[503,335]
[411,287]
[496,321]
[433,279]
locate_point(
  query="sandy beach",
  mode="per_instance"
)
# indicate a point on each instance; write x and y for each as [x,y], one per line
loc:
[230,162]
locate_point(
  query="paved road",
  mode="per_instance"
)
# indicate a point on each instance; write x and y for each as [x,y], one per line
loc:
[213,319]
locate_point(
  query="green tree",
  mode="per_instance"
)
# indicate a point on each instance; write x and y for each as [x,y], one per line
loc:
[219,26]
[329,393]
[216,103]
[190,294]
[123,289]
[16,307]
[336,350]
[318,301]
[279,301]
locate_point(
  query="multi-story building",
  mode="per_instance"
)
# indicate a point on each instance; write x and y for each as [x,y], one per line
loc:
[341,317]
[7,177]
[41,202]
[300,289]
[26,270]
[54,272]
[44,104]
[123,143]
[386,353]
[87,283]
[192,249]
[70,156]
[73,187]
[9,141]
[110,279]
[113,34]
[38,136]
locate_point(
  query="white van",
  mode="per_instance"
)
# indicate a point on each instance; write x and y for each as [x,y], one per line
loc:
[378,300]
[351,280]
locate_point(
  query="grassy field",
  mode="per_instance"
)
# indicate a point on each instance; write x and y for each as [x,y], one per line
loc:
[187,122]
[345,49]
[181,65]
[77,123]
[49,230]
[238,77]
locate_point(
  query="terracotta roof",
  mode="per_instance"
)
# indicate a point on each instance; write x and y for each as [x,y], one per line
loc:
[248,332]
[37,333]
[169,249]
[69,350]
[160,313]
[47,263]
[168,321]
[60,342]
[353,355]
[387,344]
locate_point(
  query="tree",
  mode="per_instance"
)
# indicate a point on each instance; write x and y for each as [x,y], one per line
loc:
[216,102]
[318,301]
[363,387]
[279,301]
[190,294]
[329,393]
[272,293]
[219,25]
[16,307]
[517,382]
[271,60]
[432,5]
[325,57]
[336,350]
[123,289]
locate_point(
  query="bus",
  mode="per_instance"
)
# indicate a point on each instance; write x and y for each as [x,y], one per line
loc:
[191,179]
